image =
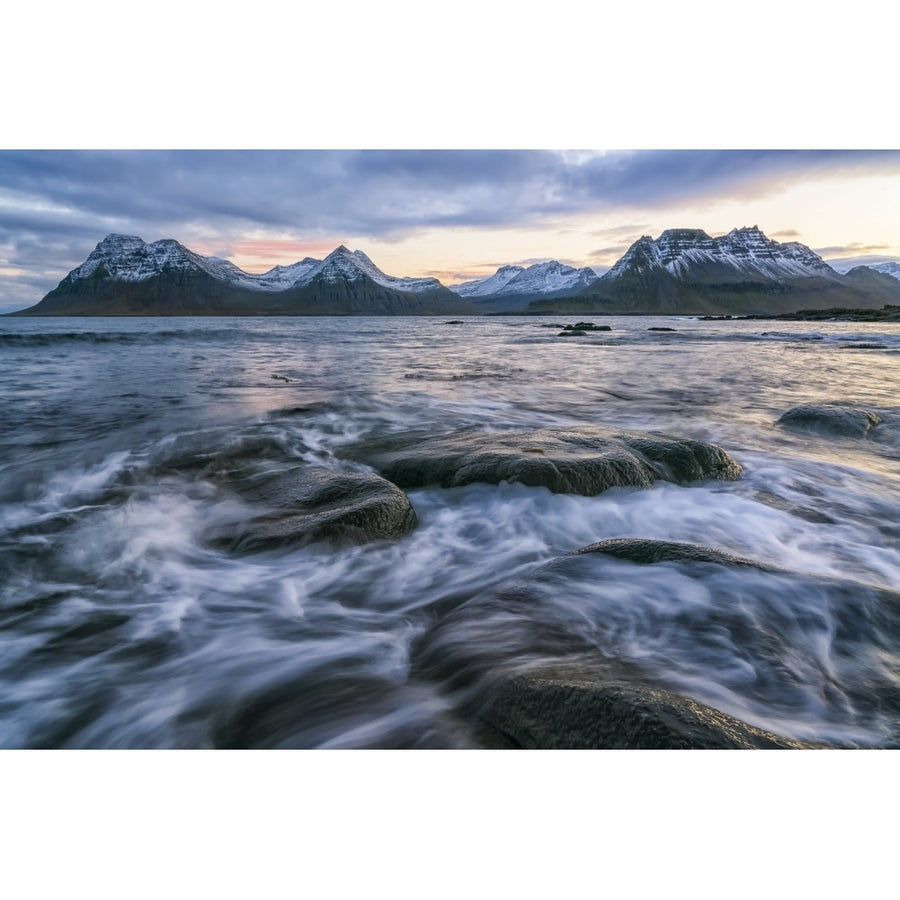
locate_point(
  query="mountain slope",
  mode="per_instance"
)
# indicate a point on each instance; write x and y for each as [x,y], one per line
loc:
[512,287]
[123,276]
[686,272]
[888,268]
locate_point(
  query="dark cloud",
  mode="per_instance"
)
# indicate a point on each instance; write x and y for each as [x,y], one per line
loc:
[56,205]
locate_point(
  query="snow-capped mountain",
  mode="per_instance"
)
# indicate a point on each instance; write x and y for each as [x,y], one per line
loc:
[128,258]
[485,287]
[343,264]
[123,275]
[125,257]
[280,278]
[512,286]
[742,253]
[888,268]
[685,271]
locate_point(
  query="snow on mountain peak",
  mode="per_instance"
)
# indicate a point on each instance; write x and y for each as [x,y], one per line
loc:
[888,268]
[551,277]
[745,250]
[129,258]
[352,265]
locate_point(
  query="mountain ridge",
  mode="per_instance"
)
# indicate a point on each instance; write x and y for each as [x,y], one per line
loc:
[511,287]
[684,271]
[124,275]
[687,272]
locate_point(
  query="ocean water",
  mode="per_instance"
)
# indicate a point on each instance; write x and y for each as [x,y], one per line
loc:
[122,624]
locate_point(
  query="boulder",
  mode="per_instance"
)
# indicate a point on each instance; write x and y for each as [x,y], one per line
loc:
[309,503]
[833,419]
[585,707]
[586,460]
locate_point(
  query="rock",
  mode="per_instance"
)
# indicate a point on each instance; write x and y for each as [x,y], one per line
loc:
[587,326]
[586,460]
[647,552]
[309,503]
[571,707]
[635,643]
[572,333]
[455,322]
[659,328]
[847,421]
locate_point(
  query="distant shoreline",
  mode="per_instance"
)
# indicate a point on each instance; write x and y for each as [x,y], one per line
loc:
[886,314]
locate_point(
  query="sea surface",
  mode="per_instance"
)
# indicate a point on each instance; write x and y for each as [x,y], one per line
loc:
[122,625]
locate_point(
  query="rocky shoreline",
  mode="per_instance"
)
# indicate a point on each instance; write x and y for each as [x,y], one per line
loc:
[574,695]
[887,313]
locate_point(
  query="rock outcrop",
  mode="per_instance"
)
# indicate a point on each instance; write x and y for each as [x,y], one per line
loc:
[586,460]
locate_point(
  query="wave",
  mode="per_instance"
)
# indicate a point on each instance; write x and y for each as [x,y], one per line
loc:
[56,338]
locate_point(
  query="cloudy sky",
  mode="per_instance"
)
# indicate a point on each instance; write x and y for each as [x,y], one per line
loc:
[453,214]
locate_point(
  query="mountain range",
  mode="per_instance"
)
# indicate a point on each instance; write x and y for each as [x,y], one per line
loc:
[512,287]
[124,276]
[683,272]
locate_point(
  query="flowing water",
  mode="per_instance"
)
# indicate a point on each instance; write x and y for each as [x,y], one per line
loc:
[123,625]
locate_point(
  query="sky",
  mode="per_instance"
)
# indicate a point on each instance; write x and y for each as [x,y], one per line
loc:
[452,214]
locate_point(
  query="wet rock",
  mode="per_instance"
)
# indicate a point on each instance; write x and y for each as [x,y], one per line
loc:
[309,503]
[583,707]
[455,322]
[659,328]
[647,552]
[639,644]
[845,421]
[586,460]
[587,326]
[573,332]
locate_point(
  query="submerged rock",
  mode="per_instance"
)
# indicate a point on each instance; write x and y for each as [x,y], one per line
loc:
[847,421]
[639,644]
[310,503]
[646,552]
[586,460]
